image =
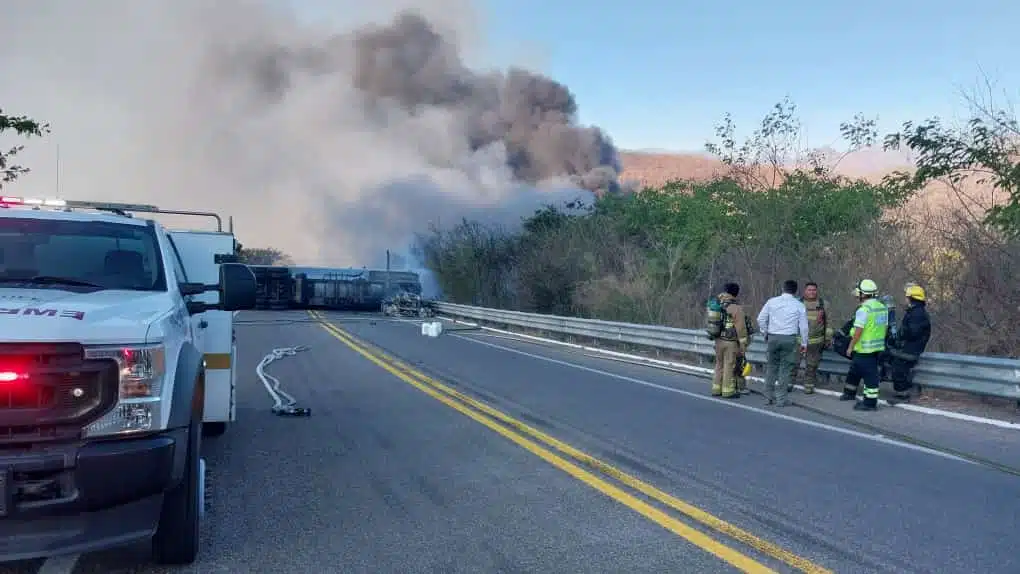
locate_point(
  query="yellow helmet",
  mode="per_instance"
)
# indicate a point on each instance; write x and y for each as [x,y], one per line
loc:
[865,287]
[747,370]
[914,291]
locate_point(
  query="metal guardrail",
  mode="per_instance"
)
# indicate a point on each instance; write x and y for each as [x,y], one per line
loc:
[990,376]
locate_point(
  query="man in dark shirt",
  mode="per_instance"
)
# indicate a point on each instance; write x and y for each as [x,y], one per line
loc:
[910,342]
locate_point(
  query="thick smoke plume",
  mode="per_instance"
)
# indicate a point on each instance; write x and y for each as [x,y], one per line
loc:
[332,144]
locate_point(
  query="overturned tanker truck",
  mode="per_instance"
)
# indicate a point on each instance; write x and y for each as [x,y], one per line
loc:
[345,289]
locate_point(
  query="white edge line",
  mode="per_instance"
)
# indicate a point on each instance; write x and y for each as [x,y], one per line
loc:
[858,434]
[59,564]
[702,370]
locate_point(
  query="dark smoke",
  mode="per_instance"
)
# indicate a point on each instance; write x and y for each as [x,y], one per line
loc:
[331,145]
[409,65]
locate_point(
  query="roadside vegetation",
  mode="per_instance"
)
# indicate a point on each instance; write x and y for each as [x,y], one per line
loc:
[776,212]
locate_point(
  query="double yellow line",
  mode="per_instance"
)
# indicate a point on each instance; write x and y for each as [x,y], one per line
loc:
[532,440]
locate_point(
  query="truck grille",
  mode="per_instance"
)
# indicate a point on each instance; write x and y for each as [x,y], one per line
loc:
[59,394]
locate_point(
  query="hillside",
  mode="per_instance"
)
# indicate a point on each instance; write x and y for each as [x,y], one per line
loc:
[654,169]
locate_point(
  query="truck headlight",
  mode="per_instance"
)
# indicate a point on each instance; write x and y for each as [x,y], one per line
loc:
[142,369]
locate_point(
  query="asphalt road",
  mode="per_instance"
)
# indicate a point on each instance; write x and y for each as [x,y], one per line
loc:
[388,477]
[835,494]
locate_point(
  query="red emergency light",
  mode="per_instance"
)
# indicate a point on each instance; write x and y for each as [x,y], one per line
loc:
[12,376]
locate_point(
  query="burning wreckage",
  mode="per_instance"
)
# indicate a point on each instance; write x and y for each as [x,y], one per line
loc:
[408,304]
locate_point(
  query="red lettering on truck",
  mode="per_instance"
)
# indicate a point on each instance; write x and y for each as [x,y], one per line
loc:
[37,312]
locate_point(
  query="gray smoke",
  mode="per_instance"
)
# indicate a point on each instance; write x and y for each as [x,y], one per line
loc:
[332,143]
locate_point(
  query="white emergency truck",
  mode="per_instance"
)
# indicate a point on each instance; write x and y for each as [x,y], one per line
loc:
[115,352]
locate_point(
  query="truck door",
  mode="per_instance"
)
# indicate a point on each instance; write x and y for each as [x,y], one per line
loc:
[214,329]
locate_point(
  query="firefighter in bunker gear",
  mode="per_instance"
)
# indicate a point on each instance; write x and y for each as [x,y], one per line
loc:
[909,343]
[870,323]
[818,335]
[730,345]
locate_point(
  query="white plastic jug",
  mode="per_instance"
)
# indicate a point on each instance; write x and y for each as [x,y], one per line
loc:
[432,328]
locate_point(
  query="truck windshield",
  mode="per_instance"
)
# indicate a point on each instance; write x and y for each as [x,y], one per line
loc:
[79,255]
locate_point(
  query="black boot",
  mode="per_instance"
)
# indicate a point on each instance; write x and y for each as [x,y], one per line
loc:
[849,393]
[866,405]
[899,398]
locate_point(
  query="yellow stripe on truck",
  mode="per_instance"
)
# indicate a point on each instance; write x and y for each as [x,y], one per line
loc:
[217,361]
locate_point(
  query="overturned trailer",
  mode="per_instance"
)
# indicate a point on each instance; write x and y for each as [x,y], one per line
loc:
[348,289]
[274,287]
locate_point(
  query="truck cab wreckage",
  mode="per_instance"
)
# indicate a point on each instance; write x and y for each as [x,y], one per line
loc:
[407,304]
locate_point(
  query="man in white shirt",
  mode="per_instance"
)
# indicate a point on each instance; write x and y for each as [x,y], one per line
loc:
[781,320]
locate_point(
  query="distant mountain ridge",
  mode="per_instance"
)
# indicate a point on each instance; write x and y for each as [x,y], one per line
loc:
[654,169]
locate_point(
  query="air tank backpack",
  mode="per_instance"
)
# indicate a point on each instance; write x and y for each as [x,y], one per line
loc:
[715,317]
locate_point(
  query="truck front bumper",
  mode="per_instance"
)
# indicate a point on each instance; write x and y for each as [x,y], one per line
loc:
[69,499]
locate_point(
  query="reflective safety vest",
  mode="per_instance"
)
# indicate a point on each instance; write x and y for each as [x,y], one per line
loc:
[873,334]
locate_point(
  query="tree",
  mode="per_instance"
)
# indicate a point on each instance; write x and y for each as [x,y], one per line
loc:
[789,203]
[773,153]
[472,263]
[262,256]
[973,244]
[985,151]
[23,126]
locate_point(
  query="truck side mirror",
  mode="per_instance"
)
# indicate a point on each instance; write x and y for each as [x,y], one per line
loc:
[237,287]
[192,288]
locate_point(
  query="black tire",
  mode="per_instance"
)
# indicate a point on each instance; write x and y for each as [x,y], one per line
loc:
[176,538]
[214,429]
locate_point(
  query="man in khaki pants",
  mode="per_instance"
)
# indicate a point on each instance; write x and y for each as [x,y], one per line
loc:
[731,344]
[817,335]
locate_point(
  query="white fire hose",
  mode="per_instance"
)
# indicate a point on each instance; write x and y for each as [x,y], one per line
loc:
[284,404]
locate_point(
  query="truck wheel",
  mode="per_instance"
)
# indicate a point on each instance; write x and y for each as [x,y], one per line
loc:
[214,428]
[176,538]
